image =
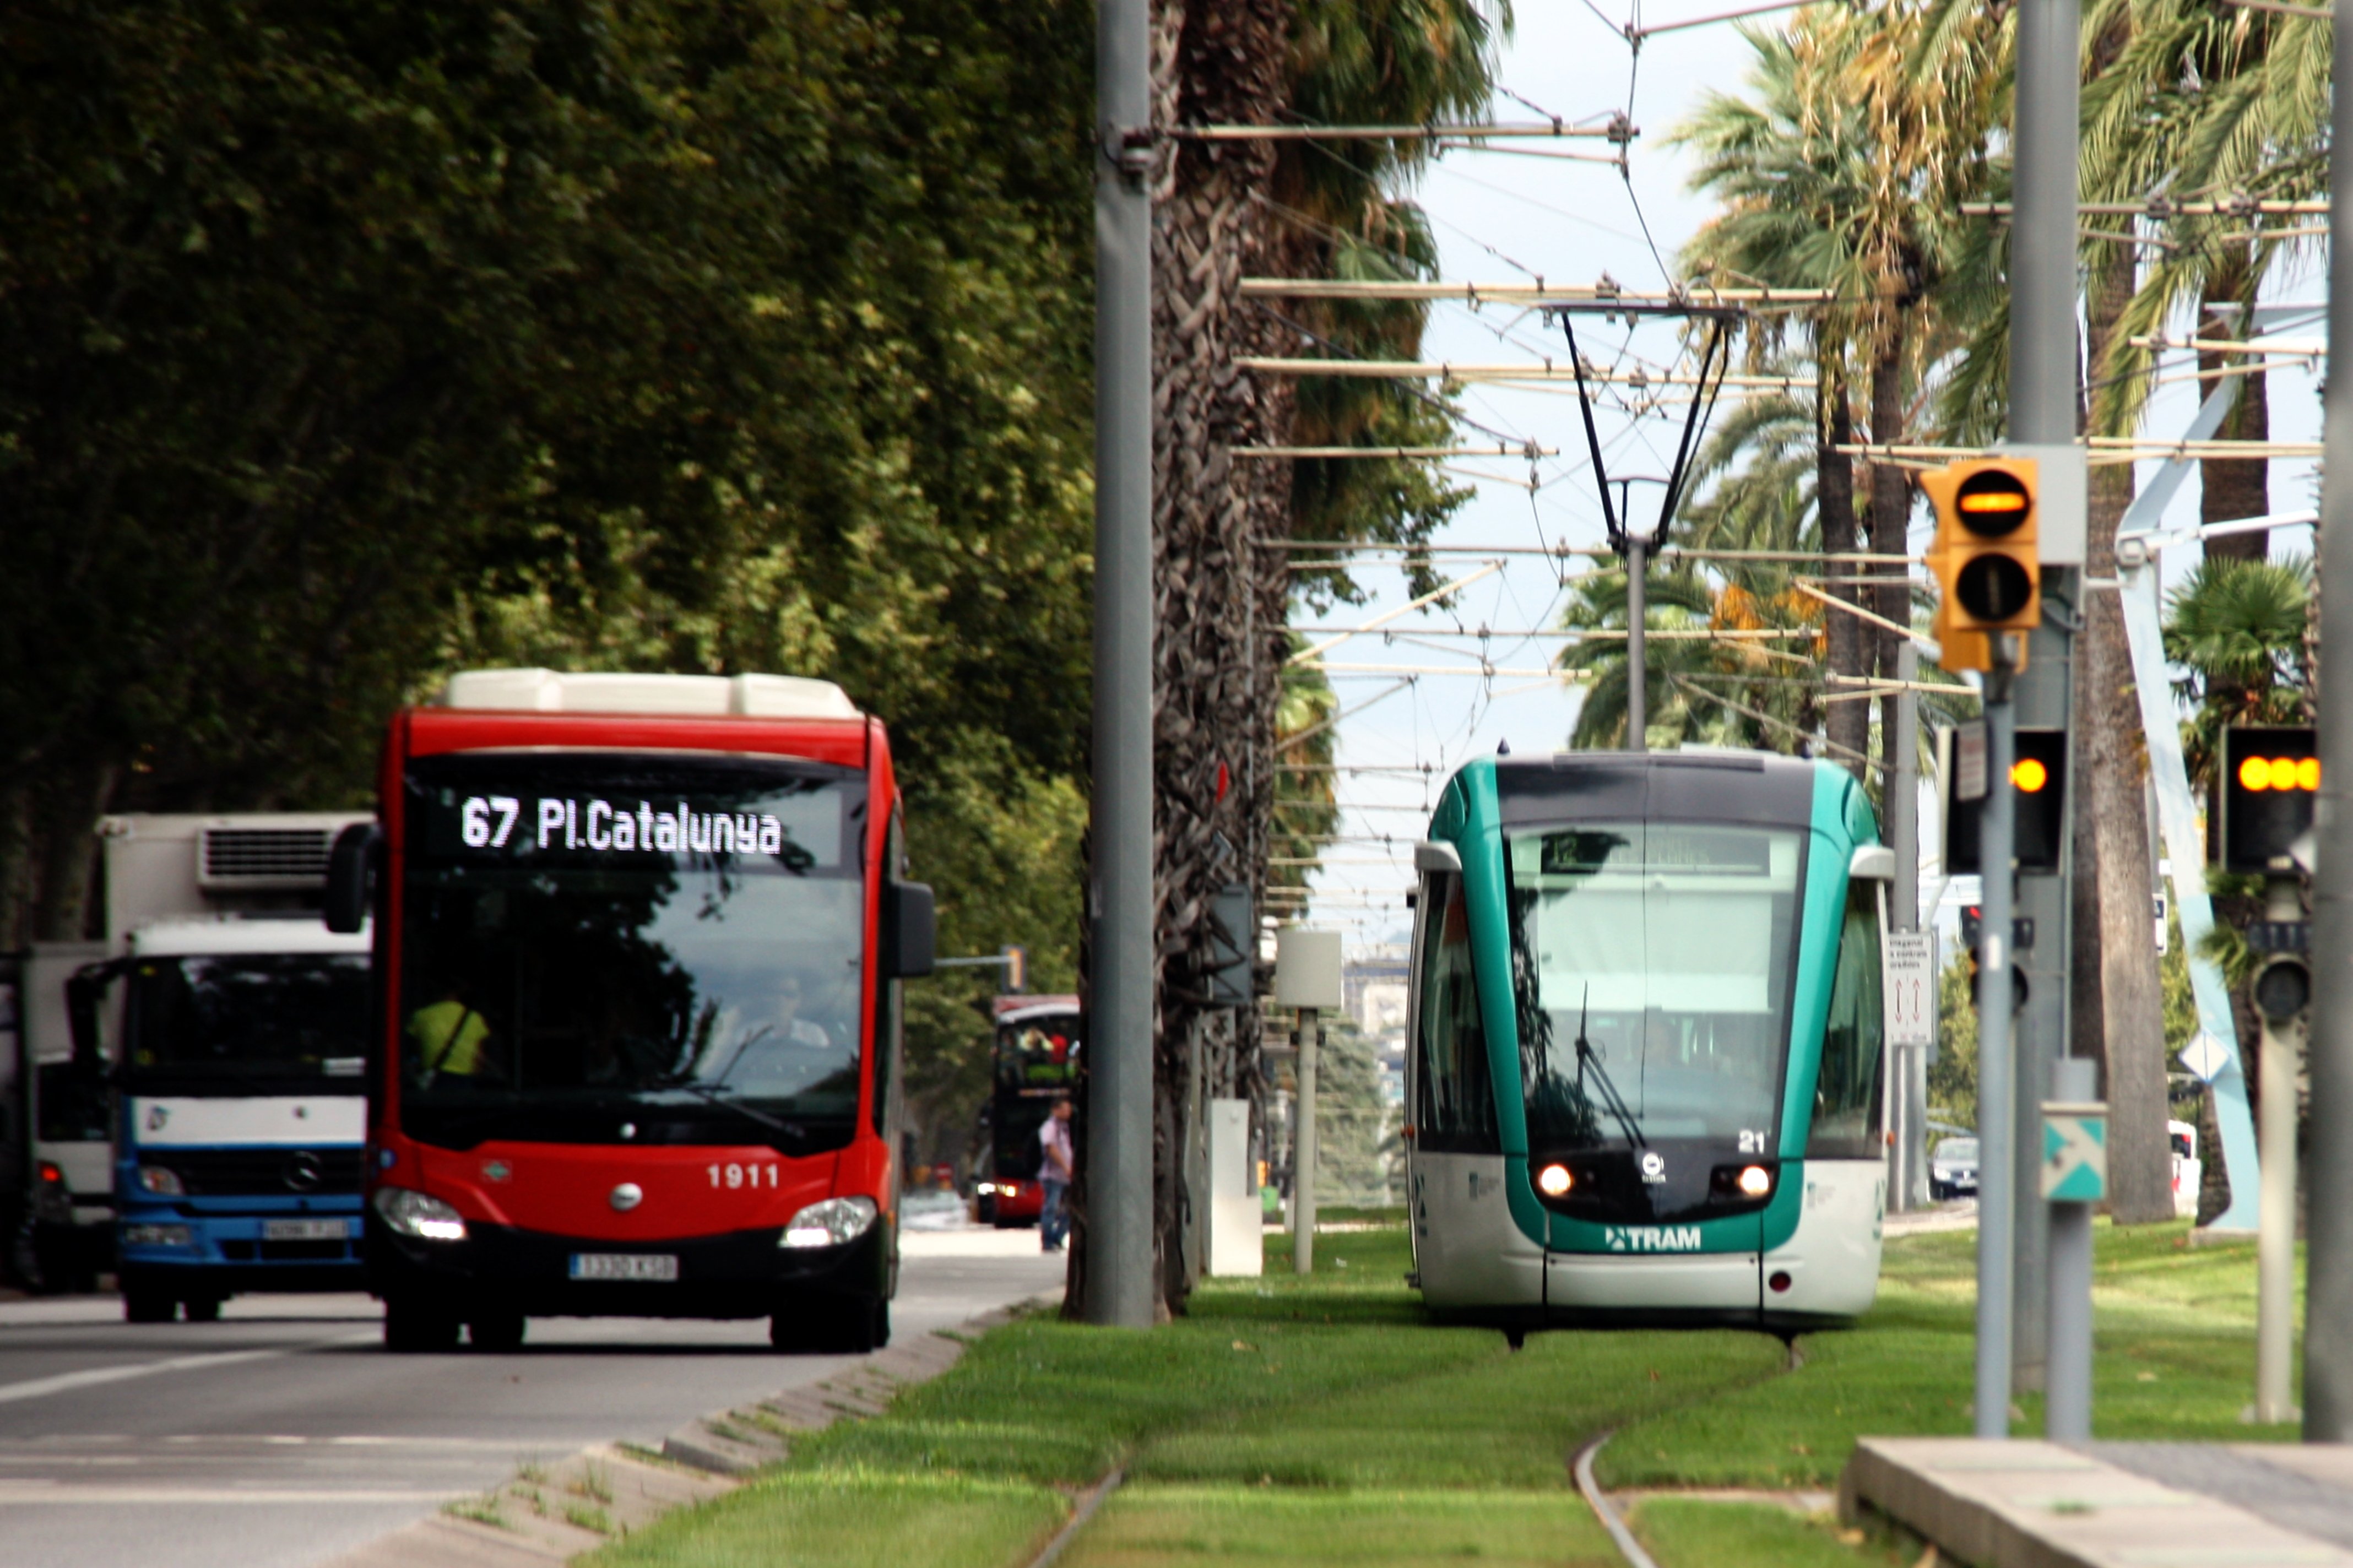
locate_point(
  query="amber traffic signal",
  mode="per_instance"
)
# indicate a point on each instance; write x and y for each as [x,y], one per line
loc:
[1986,555]
[2037,779]
[2269,779]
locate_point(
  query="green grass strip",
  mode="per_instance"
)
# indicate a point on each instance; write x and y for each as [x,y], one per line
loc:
[1693,1533]
[1190,1527]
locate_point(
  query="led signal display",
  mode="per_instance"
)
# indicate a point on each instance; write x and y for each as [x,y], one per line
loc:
[2269,778]
[2038,780]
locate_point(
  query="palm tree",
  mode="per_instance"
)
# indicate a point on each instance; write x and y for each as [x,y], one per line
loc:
[2236,628]
[1862,131]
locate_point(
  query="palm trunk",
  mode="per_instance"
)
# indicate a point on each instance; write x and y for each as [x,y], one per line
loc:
[2233,488]
[2113,902]
[1891,510]
[1847,723]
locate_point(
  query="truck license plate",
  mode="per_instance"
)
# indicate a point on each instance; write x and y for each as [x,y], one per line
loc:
[624,1266]
[303,1230]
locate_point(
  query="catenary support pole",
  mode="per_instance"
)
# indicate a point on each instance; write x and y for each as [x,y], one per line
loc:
[1907,1180]
[1997,1179]
[1638,646]
[1302,1146]
[1119,1107]
[2043,409]
[2328,1278]
[2275,1218]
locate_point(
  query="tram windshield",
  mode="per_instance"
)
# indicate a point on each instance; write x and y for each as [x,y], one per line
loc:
[1652,964]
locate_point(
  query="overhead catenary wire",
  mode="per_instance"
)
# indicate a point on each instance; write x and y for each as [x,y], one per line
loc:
[1443,370]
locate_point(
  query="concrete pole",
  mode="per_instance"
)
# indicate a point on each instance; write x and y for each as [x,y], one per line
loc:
[2044,399]
[2067,1405]
[1638,646]
[1118,1107]
[2328,1280]
[1997,1177]
[1302,1147]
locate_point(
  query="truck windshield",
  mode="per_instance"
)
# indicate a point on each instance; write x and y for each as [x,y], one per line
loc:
[1650,964]
[600,947]
[229,1020]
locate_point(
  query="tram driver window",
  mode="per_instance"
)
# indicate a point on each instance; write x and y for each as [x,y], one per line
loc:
[1846,1096]
[1455,1112]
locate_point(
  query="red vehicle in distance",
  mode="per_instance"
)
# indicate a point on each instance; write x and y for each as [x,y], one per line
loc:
[638,944]
[1036,1063]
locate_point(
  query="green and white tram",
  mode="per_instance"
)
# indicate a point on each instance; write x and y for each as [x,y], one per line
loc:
[1645,1064]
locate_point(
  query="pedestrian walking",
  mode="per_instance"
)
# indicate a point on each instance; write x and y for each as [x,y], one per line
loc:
[1054,1169]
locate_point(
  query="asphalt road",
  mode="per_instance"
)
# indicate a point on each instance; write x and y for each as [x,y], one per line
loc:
[282,1434]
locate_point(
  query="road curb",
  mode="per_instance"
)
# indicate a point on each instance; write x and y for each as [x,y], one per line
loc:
[552,1513]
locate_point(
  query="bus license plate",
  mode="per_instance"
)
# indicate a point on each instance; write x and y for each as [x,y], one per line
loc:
[624,1266]
[304,1230]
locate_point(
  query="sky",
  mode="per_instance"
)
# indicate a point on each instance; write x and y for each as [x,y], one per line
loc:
[1513,217]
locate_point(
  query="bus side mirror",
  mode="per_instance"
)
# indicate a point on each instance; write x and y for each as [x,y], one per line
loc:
[349,863]
[910,930]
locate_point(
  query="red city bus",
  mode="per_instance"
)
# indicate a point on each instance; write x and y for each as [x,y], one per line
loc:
[1036,1064]
[639,941]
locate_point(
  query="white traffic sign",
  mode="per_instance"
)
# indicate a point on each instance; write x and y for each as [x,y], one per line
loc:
[2205,1056]
[1907,973]
[2074,1151]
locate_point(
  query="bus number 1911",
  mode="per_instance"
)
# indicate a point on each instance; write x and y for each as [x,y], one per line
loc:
[732,1176]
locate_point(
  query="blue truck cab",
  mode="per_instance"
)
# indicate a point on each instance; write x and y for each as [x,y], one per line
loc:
[241,1112]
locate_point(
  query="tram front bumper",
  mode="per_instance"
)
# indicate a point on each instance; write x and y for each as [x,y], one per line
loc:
[739,1274]
[1703,1284]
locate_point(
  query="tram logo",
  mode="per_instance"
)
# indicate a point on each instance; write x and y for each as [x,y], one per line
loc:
[1655,1166]
[1650,1237]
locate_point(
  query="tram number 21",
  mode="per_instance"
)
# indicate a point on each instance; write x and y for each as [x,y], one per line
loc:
[1751,1142]
[732,1176]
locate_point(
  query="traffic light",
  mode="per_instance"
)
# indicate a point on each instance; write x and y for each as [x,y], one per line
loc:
[2038,780]
[1986,555]
[2269,779]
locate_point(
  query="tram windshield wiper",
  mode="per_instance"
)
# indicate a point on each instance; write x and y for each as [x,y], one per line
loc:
[1611,1100]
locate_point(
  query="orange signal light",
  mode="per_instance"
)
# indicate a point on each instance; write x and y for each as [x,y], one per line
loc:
[2029,776]
[1997,501]
[2258,774]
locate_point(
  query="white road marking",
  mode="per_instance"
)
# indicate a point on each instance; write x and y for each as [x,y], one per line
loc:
[65,1382]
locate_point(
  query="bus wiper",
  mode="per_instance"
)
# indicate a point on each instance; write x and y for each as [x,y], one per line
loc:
[714,1095]
[1610,1099]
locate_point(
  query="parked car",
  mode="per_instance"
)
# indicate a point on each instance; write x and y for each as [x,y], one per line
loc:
[1953,1169]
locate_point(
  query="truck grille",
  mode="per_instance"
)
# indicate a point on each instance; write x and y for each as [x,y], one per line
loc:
[226,1172]
[265,856]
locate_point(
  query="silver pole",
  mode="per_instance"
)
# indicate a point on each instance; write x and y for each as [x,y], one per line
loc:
[2276,1226]
[1302,1147]
[2042,407]
[1903,836]
[1996,1178]
[2067,1406]
[1119,1109]
[2328,1278]
[1638,648]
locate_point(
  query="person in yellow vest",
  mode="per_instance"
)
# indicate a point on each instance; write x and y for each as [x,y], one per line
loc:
[450,1038]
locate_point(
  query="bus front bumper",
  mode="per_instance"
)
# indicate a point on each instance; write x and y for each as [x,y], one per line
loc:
[739,1274]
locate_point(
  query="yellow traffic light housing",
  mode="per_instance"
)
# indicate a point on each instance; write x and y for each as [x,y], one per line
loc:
[1986,556]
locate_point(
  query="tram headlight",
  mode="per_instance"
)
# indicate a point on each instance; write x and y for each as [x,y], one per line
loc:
[420,1214]
[1754,1181]
[1750,1182]
[833,1222]
[1554,1181]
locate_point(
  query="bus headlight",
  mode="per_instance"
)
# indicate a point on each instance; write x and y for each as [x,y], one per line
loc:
[1554,1181]
[420,1214]
[163,1181]
[154,1236]
[833,1222]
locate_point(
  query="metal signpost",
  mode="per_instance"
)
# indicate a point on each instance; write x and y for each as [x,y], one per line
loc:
[1307,978]
[1118,1233]
[2075,1156]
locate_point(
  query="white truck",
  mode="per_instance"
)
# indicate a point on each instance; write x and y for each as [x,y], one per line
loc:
[220,1034]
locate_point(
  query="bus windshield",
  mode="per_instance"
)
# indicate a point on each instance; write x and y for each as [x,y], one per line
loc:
[602,947]
[231,1019]
[1651,964]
